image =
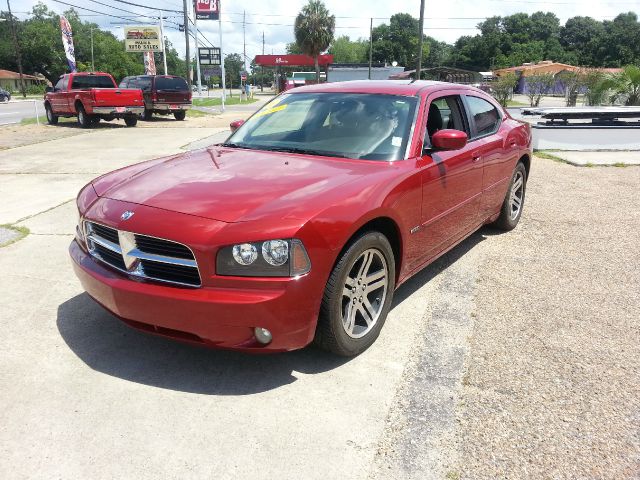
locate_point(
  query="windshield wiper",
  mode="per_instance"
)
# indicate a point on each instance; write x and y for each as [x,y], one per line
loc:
[235,145]
[303,151]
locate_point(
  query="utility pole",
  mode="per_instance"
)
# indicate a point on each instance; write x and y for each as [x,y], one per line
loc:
[93,65]
[164,45]
[16,45]
[195,26]
[244,41]
[224,91]
[370,46]
[262,67]
[420,42]
[186,40]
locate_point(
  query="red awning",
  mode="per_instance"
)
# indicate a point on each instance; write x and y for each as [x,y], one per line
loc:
[291,60]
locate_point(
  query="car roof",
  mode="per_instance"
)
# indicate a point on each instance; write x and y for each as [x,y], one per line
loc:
[390,87]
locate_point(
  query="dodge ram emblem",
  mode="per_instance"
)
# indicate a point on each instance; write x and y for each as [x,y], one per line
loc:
[126,215]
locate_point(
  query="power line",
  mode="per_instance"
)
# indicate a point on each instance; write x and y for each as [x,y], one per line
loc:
[121,9]
[146,6]
[95,11]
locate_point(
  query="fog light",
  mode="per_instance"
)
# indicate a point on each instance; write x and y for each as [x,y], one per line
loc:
[263,335]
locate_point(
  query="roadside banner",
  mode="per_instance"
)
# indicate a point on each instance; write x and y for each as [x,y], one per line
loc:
[207,9]
[143,38]
[149,64]
[67,42]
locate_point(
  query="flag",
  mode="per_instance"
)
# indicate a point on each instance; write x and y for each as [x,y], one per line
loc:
[149,63]
[67,42]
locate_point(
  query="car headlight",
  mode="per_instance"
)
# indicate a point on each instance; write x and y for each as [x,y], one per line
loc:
[270,258]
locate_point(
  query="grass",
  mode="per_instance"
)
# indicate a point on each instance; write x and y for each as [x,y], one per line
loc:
[548,156]
[212,102]
[22,232]
[43,120]
[453,475]
[513,103]
[197,113]
[620,164]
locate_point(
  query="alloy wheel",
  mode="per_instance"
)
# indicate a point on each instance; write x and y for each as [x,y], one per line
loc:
[517,195]
[364,292]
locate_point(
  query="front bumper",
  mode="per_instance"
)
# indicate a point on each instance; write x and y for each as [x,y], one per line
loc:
[215,317]
[118,110]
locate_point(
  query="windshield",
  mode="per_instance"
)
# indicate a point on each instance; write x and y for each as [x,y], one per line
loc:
[171,83]
[351,125]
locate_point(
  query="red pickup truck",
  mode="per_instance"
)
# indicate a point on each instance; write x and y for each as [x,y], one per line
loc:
[91,97]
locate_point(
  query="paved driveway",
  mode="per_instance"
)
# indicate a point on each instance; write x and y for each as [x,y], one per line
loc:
[83,396]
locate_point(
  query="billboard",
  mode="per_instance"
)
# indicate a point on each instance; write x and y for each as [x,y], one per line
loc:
[143,38]
[67,42]
[207,9]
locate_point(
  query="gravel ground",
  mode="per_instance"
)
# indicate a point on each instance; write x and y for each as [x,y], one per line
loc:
[552,384]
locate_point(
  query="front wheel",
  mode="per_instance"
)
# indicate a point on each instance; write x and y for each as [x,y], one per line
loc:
[511,209]
[357,297]
[131,120]
[180,115]
[52,119]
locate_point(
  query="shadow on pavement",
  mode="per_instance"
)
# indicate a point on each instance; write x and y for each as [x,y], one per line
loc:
[107,345]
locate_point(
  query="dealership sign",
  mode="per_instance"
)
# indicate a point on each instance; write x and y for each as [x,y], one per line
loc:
[144,38]
[207,9]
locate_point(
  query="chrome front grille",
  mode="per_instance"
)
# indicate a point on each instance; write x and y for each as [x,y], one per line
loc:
[142,256]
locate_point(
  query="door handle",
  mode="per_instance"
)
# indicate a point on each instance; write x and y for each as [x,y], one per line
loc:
[476,157]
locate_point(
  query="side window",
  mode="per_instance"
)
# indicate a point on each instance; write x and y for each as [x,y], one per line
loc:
[444,113]
[65,83]
[58,86]
[485,116]
[125,82]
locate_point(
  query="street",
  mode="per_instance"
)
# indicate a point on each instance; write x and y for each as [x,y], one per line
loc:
[15,110]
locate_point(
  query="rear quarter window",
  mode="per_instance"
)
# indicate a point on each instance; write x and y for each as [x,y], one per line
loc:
[92,81]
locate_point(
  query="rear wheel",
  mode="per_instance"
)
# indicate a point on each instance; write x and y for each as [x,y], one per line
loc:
[513,204]
[95,119]
[357,297]
[180,115]
[51,118]
[131,120]
[4,98]
[84,120]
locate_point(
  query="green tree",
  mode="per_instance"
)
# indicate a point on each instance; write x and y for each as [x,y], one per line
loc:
[233,65]
[314,28]
[538,86]
[344,50]
[398,41]
[627,85]
[503,88]
[598,85]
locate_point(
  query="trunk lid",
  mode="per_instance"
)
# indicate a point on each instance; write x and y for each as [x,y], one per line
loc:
[116,97]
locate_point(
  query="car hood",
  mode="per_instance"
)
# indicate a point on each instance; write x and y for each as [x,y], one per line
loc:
[233,185]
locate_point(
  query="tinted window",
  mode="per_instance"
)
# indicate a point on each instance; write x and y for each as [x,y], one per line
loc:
[126,81]
[59,85]
[352,125]
[143,83]
[485,116]
[444,113]
[92,81]
[171,83]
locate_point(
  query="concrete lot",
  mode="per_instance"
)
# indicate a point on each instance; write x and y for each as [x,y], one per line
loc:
[515,355]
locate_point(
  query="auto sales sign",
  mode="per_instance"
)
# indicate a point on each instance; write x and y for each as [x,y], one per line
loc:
[207,9]
[144,38]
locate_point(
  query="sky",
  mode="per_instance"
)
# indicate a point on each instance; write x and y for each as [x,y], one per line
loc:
[444,20]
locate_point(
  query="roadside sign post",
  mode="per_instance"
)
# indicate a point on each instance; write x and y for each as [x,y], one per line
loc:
[210,10]
[164,53]
[195,27]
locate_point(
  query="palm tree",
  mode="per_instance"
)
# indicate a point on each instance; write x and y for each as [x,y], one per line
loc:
[628,84]
[314,29]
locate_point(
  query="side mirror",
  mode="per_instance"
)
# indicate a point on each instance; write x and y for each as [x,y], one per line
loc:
[236,124]
[49,89]
[449,139]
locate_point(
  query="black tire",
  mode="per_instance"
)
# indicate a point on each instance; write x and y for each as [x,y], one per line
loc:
[4,98]
[84,120]
[131,120]
[331,332]
[180,115]
[508,219]
[95,119]
[52,119]
[147,115]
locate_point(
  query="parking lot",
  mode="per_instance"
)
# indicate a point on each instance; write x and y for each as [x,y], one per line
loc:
[516,355]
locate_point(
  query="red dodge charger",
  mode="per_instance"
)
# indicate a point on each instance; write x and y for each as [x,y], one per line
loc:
[302,224]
